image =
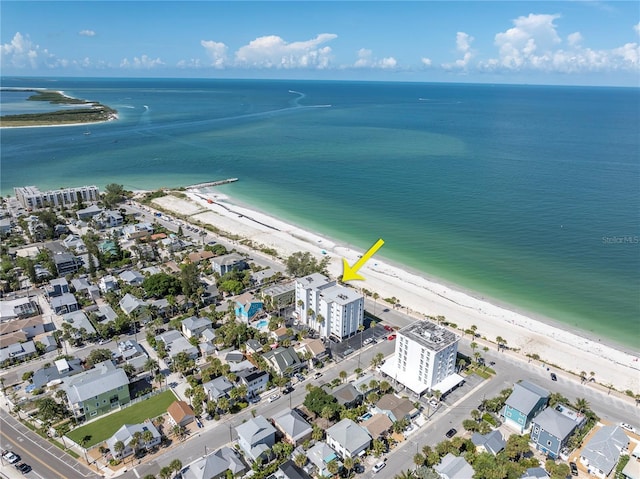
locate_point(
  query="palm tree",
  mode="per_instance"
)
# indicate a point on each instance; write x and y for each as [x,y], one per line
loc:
[300,460]
[474,346]
[475,415]
[147,437]
[418,459]
[582,404]
[583,376]
[176,465]
[343,375]
[118,448]
[136,440]
[437,394]
[384,386]
[165,472]
[333,467]
[375,297]
[593,375]
[348,463]
[474,328]
[500,340]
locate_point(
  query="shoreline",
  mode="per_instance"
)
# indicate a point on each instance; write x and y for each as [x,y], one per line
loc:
[555,344]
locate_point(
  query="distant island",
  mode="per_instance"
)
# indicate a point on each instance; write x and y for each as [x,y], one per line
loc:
[92,112]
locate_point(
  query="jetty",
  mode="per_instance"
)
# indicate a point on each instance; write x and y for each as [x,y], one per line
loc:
[212,183]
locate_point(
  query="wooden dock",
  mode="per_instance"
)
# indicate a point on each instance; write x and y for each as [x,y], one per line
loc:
[212,183]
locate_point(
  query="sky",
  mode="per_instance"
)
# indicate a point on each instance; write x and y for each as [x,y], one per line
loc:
[522,42]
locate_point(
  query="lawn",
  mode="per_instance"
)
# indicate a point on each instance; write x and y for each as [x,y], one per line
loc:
[104,428]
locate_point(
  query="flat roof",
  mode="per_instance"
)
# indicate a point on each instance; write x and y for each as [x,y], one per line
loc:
[429,335]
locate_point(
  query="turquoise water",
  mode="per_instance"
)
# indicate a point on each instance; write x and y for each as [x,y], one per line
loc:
[262,323]
[526,194]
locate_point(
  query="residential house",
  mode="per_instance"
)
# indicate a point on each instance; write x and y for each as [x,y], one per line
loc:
[345,394]
[6,225]
[396,408]
[125,435]
[173,244]
[16,350]
[134,307]
[293,427]
[108,219]
[255,437]
[199,256]
[210,294]
[31,327]
[255,380]
[363,383]
[65,303]
[137,231]
[552,428]
[61,369]
[130,352]
[263,276]
[281,334]
[424,358]
[535,473]
[452,467]
[280,295]
[215,465]
[247,307]
[632,469]
[89,212]
[217,388]
[105,313]
[377,425]
[601,454]
[348,438]
[228,262]
[176,343]
[132,278]
[320,455]
[492,442]
[18,308]
[83,286]
[67,263]
[79,321]
[97,391]
[180,413]
[194,326]
[108,283]
[74,243]
[284,361]
[524,403]
[289,470]
[253,346]
[57,287]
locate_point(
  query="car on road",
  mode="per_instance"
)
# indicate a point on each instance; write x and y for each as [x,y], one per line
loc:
[317,375]
[23,468]
[554,377]
[450,433]
[287,390]
[300,377]
[368,341]
[379,466]
[10,457]
[391,337]
[388,328]
[628,427]
[574,468]
[274,397]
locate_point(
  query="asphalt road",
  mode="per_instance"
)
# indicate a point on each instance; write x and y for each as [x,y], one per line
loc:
[47,461]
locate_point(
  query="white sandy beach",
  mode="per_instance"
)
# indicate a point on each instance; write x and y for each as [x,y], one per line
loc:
[422,296]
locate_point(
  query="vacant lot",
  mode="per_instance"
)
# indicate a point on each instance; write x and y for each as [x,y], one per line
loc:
[102,429]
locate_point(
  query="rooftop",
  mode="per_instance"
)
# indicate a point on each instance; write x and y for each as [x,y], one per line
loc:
[429,335]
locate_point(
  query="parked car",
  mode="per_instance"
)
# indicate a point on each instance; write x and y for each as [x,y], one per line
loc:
[388,328]
[10,457]
[287,390]
[379,466]
[628,427]
[450,433]
[574,468]
[554,377]
[391,337]
[317,375]
[23,468]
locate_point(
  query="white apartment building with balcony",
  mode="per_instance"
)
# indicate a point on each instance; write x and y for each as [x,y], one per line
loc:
[327,307]
[425,358]
[31,198]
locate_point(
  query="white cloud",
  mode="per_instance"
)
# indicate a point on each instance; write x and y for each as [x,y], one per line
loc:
[366,60]
[194,63]
[463,45]
[426,61]
[21,52]
[534,44]
[217,51]
[636,27]
[141,63]
[87,33]
[273,51]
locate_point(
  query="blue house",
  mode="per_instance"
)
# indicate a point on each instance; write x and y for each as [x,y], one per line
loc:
[524,403]
[552,428]
[247,307]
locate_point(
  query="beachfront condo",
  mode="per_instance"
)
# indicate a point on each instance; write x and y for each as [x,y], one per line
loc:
[327,307]
[425,358]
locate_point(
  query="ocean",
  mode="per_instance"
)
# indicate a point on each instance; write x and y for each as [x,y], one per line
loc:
[529,195]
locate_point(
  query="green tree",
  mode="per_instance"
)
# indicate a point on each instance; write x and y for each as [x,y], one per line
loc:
[300,460]
[175,465]
[303,264]
[517,446]
[118,448]
[113,194]
[160,285]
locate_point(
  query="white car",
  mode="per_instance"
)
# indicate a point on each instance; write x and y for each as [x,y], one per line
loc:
[628,427]
[10,457]
[274,397]
[378,467]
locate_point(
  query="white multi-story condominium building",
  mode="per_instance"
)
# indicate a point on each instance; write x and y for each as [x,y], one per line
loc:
[425,358]
[327,307]
[31,198]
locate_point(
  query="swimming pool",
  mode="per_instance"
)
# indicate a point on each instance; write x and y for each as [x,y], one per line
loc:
[262,323]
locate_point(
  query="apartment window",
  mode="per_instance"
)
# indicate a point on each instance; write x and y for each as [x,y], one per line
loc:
[93,413]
